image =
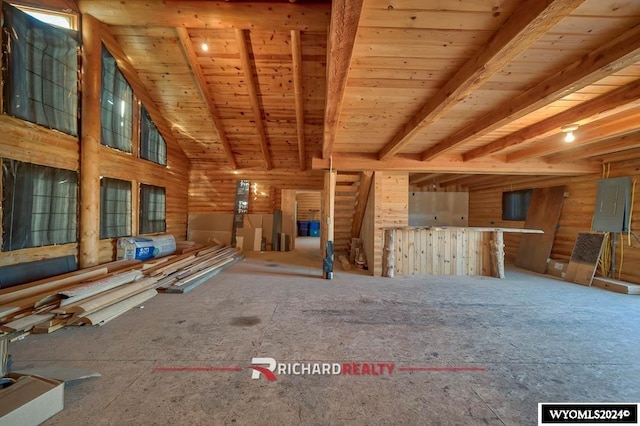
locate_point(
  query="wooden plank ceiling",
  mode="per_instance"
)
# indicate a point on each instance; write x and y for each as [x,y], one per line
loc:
[441,88]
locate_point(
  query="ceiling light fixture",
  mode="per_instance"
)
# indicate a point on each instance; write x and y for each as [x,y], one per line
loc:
[205,46]
[569,137]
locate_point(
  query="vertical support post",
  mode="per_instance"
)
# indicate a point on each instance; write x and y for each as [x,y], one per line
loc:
[389,255]
[328,203]
[497,254]
[88,250]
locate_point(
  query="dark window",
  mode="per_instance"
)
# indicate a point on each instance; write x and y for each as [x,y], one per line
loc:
[115,208]
[42,64]
[152,209]
[117,105]
[152,144]
[39,207]
[515,204]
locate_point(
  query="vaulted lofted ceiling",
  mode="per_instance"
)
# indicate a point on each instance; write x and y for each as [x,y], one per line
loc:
[429,86]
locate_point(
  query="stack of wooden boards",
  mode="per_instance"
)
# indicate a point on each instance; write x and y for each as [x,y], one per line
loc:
[96,295]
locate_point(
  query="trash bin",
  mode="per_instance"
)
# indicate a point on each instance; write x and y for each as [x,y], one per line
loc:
[314,228]
[303,228]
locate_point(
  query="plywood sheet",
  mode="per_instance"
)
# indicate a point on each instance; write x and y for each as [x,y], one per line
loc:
[544,213]
[584,258]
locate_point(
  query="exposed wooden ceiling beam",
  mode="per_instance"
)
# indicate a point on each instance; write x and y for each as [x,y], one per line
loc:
[416,179]
[252,88]
[530,21]
[622,157]
[451,164]
[514,183]
[454,179]
[139,89]
[296,54]
[467,180]
[210,14]
[602,106]
[618,125]
[345,16]
[201,82]
[619,53]
[608,146]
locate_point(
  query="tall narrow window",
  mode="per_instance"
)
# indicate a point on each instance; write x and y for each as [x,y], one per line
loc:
[40,205]
[152,144]
[42,63]
[515,204]
[115,208]
[117,105]
[152,209]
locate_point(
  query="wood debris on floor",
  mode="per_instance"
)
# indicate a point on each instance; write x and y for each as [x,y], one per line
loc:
[96,295]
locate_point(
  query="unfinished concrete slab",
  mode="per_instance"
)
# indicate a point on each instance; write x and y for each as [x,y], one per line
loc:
[490,349]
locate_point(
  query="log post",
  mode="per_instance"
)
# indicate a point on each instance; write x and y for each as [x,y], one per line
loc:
[88,248]
[497,254]
[389,254]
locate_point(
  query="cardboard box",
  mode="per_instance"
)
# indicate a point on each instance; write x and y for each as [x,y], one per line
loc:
[31,400]
[557,268]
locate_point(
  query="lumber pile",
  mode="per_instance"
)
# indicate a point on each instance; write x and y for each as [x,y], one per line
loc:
[96,295]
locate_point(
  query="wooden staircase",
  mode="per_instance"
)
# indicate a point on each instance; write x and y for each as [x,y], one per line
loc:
[347,198]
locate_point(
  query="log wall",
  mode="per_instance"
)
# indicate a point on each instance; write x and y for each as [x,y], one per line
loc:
[31,143]
[28,142]
[308,205]
[212,191]
[485,208]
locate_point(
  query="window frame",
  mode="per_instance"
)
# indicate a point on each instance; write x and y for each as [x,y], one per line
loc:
[106,216]
[35,77]
[28,203]
[143,217]
[146,122]
[515,205]
[109,137]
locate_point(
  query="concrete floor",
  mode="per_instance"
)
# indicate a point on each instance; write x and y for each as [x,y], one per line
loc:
[538,339]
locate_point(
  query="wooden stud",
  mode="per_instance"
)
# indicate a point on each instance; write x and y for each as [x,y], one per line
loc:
[345,17]
[296,53]
[524,27]
[88,251]
[206,14]
[366,178]
[252,87]
[345,162]
[201,82]
[619,53]
[600,107]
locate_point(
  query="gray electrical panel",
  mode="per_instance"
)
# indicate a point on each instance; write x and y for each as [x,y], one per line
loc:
[613,205]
